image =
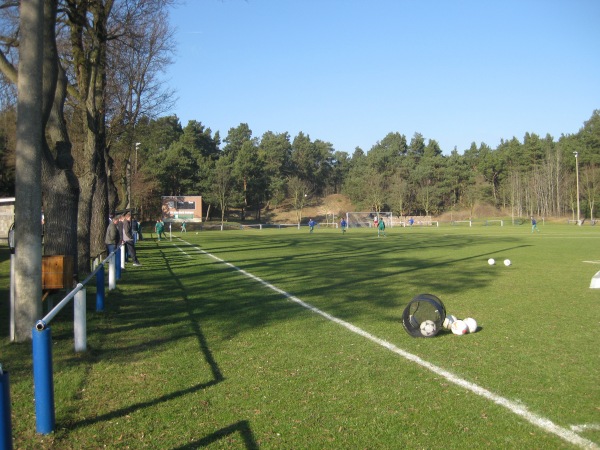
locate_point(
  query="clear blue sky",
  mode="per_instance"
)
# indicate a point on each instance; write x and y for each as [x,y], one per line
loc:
[351,71]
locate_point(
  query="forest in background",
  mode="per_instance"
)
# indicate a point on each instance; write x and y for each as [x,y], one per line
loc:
[533,176]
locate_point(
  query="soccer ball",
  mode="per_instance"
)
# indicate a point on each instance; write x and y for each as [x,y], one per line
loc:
[448,321]
[471,324]
[428,328]
[507,262]
[491,261]
[459,327]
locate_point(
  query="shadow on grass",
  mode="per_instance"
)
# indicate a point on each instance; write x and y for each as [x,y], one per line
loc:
[242,427]
[395,268]
[122,412]
[202,343]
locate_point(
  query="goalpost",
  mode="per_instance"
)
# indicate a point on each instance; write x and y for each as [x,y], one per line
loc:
[368,219]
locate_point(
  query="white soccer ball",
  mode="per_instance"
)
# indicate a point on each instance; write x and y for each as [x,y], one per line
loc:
[448,321]
[491,261]
[507,262]
[428,328]
[459,327]
[471,324]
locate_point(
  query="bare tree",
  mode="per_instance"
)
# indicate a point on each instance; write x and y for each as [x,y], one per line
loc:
[591,186]
[137,56]
[299,191]
[222,184]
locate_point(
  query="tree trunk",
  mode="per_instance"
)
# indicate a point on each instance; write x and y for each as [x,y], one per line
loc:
[113,193]
[28,202]
[60,185]
[91,78]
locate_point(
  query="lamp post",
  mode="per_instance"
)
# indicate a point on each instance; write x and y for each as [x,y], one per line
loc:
[577,180]
[137,147]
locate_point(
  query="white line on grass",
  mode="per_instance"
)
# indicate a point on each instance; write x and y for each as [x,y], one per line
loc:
[586,426]
[516,408]
[182,251]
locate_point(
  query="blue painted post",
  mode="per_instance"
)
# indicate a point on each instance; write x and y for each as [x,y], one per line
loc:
[100,289]
[118,262]
[43,383]
[5,421]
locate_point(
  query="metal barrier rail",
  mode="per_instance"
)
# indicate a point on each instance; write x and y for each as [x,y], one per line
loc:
[42,337]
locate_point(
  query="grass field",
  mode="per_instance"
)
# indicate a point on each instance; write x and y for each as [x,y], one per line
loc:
[195,351]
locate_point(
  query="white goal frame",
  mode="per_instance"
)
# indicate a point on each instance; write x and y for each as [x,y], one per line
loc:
[366,219]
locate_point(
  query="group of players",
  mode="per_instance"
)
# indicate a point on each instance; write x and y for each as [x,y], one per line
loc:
[378,223]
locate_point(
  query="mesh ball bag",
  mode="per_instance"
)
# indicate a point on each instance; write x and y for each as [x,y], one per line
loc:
[420,309]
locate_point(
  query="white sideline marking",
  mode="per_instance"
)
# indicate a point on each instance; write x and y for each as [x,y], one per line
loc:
[586,426]
[182,251]
[520,410]
[592,262]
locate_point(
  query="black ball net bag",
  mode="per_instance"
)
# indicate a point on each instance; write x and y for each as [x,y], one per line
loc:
[424,316]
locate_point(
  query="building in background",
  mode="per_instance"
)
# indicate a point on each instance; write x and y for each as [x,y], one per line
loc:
[7,215]
[182,208]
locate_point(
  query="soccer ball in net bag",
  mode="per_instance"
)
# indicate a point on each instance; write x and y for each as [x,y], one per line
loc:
[428,328]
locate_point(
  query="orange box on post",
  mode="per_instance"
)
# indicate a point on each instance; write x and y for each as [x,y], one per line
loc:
[57,272]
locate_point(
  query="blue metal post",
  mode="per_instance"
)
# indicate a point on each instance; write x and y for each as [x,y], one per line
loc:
[100,289]
[43,382]
[5,421]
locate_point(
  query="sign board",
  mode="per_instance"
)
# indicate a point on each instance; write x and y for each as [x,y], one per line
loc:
[183,208]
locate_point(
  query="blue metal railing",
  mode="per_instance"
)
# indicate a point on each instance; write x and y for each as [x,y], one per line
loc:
[42,337]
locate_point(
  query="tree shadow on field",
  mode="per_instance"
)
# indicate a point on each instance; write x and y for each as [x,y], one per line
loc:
[141,347]
[340,275]
[180,318]
[242,427]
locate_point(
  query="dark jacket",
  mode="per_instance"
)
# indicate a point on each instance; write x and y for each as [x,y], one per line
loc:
[127,234]
[112,234]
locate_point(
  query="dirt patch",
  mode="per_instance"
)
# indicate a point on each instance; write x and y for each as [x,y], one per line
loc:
[317,209]
[480,211]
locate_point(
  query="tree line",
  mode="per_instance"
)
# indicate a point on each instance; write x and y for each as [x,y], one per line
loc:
[535,176]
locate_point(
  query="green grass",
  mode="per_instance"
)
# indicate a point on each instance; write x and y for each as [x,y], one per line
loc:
[192,353]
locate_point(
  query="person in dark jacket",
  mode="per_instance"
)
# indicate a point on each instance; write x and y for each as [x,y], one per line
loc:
[112,237]
[127,239]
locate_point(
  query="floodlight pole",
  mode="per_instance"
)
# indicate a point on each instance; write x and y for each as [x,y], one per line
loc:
[577,180]
[131,173]
[137,147]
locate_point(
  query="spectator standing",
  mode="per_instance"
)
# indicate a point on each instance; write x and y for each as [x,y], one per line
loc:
[112,237]
[127,238]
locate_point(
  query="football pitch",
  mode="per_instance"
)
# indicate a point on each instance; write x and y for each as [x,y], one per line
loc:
[289,339]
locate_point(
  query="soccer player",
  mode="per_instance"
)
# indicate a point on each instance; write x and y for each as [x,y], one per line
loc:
[381,228]
[534,225]
[343,224]
[311,224]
